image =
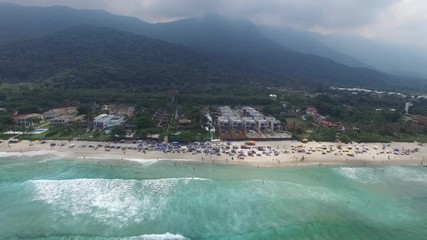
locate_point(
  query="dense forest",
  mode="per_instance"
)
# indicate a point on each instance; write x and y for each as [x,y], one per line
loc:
[91,57]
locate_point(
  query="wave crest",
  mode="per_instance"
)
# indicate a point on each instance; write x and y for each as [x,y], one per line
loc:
[109,200]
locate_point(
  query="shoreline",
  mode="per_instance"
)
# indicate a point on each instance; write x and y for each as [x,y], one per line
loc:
[284,153]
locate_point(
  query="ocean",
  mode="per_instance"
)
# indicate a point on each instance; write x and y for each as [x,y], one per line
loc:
[44,196]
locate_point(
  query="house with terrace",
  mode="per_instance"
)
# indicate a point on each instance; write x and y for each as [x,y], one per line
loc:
[27,120]
[61,116]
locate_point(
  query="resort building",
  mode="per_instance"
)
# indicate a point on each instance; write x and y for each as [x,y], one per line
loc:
[26,120]
[262,124]
[274,124]
[251,112]
[248,119]
[247,111]
[57,112]
[248,123]
[107,121]
[236,124]
[60,120]
[62,116]
[227,111]
[223,124]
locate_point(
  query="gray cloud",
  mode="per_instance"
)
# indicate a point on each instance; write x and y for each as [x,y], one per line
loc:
[83,4]
[373,18]
[305,13]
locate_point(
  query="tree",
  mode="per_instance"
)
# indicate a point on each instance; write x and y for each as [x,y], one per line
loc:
[84,109]
[118,132]
[143,122]
[6,119]
[267,110]
[310,118]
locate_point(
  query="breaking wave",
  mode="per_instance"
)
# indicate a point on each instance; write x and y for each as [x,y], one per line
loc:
[378,175]
[109,201]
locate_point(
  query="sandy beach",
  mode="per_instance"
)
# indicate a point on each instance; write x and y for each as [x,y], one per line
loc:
[262,154]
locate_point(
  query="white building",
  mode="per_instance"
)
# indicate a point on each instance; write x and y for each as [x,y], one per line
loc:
[226,111]
[252,112]
[223,124]
[57,112]
[407,105]
[60,120]
[262,124]
[247,111]
[247,119]
[273,124]
[61,116]
[249,123]
[27,120]
[236,124]
[107,121]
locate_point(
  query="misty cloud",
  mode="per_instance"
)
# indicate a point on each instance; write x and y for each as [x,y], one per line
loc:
[386,19]
[304,13]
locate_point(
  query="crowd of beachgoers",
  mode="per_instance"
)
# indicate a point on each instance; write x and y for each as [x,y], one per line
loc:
[271,153]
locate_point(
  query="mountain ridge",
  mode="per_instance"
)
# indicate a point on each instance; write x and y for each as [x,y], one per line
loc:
[86,56]
[235,45]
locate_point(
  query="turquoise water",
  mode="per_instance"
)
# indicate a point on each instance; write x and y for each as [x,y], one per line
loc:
[44,197]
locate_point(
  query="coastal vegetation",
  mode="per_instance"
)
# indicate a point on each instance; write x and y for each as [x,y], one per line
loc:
[362,117]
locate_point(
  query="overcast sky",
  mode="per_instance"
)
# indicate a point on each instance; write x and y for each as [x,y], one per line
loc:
[401,21]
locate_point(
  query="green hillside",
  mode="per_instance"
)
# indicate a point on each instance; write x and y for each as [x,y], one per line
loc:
[93,57]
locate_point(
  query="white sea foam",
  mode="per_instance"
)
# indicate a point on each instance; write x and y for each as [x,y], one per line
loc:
[34,154]
[405,174]
[165,236]
[145,162]
[375,175]
[360,174]
[108,200]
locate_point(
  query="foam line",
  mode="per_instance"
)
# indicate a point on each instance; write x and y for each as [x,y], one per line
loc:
[33,154]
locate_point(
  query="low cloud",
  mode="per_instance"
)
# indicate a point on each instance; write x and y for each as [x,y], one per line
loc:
[402,20]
